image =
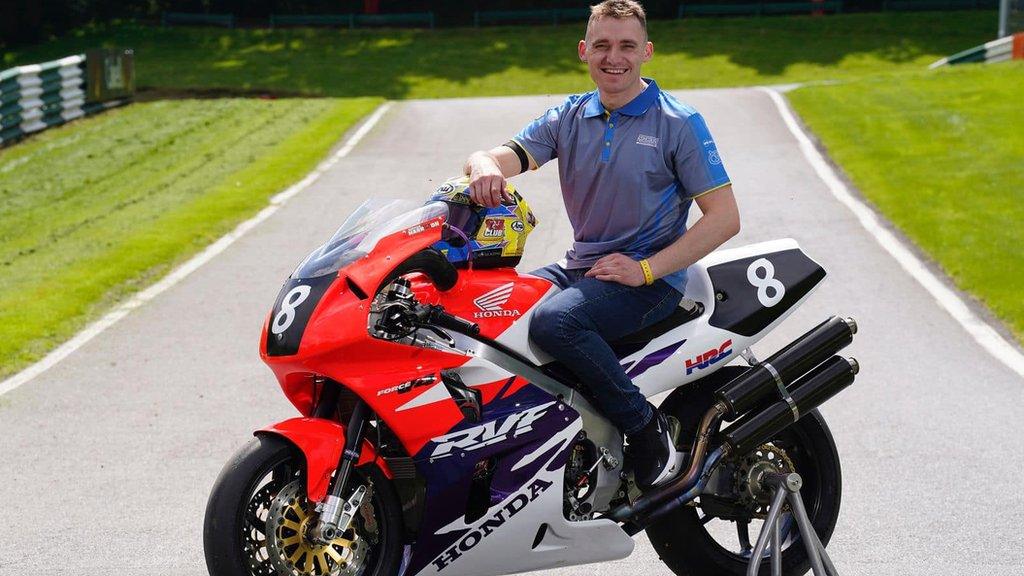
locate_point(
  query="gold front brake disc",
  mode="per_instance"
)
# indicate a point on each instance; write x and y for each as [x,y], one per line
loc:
[293,553]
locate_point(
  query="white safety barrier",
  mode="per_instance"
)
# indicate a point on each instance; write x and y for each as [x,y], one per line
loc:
[37,96]
[1001,50]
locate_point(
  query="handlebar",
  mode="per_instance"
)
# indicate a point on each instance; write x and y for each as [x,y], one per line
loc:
[436,316]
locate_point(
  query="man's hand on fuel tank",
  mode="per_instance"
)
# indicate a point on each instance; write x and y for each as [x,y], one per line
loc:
[617,268]
[486,182]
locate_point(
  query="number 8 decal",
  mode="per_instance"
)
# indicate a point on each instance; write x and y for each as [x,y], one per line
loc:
[286,316]
[764,283]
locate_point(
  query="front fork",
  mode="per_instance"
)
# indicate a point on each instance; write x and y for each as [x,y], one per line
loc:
[337,513]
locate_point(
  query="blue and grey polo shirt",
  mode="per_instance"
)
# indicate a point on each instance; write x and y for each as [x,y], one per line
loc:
[628,176]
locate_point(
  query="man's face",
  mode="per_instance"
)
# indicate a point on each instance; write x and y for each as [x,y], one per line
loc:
[614,50]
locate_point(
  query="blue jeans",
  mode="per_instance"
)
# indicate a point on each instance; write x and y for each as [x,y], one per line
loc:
[575,326]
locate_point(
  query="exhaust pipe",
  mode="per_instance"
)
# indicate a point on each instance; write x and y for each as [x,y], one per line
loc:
[748,433]
[750,389]
[808,392]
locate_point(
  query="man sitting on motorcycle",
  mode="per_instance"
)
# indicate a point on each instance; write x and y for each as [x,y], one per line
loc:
[631,160]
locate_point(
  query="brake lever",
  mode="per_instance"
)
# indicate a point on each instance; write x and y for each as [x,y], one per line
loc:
[439,332]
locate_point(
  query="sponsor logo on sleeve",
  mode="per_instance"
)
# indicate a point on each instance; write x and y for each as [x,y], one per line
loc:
[712,152]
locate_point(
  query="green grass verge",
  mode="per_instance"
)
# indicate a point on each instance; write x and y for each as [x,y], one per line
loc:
[942,155]
[702,52]
[94,211]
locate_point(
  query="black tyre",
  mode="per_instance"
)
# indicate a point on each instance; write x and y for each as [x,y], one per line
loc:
[266,477]
[695,541]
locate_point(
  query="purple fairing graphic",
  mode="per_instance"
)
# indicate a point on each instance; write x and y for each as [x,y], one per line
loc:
[651,360]
[474,467]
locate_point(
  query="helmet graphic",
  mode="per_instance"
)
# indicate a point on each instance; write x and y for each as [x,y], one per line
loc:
[490,237]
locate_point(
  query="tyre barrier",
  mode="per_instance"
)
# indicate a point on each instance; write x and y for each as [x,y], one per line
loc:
[37,96]
[1006,48]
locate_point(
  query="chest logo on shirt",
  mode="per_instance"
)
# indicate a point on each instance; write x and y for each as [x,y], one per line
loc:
[645,140]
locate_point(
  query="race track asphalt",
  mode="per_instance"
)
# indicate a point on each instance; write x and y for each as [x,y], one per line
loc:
[107,458]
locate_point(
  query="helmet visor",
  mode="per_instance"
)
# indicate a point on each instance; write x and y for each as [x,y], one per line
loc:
[465,218]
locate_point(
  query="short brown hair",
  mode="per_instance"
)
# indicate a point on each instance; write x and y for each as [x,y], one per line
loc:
[619,9]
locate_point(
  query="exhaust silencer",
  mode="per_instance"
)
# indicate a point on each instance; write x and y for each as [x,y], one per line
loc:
[771,377]
[807,393]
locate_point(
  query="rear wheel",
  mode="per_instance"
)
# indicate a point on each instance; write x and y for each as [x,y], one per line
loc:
[715,535]
[258,517]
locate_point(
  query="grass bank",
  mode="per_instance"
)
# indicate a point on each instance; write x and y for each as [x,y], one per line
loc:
[96,210]
[693,53]
[941,154]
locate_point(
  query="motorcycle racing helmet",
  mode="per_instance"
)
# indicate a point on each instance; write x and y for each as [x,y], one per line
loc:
[489,237]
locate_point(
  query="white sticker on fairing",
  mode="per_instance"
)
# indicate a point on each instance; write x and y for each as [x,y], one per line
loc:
[491,523]
[764,283]
[286,316]
[489,433]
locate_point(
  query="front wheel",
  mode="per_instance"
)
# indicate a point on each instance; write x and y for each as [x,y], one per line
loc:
[712,536]
[258,516]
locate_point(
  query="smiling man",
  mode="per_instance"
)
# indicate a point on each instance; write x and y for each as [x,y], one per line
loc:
[631,161]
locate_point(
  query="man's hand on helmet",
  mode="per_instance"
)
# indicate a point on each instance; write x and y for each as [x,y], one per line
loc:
[486,182]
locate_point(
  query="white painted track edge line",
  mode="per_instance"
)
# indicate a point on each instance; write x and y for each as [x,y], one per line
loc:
[193,264]
[983,333]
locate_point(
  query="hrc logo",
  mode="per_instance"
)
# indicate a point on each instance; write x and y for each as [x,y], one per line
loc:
[702,361]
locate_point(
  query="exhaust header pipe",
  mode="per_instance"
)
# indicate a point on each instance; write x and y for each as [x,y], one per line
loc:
[771,377]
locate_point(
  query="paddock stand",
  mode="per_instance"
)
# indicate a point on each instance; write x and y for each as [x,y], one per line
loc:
[787,487]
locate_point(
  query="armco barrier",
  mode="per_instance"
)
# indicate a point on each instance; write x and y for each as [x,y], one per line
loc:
[553,16]
[354,20]
[37,96]
[197,19]
[1005,48]
[759,8]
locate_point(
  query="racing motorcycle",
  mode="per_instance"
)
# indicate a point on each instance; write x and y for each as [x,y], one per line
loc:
[435,438]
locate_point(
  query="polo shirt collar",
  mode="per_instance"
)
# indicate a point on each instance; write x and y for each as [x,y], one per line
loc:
[636,107]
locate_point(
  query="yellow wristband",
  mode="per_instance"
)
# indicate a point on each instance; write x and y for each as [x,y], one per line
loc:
[648,275]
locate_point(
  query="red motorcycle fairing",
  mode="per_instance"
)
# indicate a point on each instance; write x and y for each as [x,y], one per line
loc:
[335,342]
[321,442]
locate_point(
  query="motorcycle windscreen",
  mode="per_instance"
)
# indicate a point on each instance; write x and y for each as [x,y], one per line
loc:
[372,221]
[751,293]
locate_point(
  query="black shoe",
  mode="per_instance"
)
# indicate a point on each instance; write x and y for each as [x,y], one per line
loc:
[654,458]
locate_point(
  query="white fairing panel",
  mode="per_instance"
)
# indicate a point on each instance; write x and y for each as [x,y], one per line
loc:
[502,540]
[517,336]
[697,348]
